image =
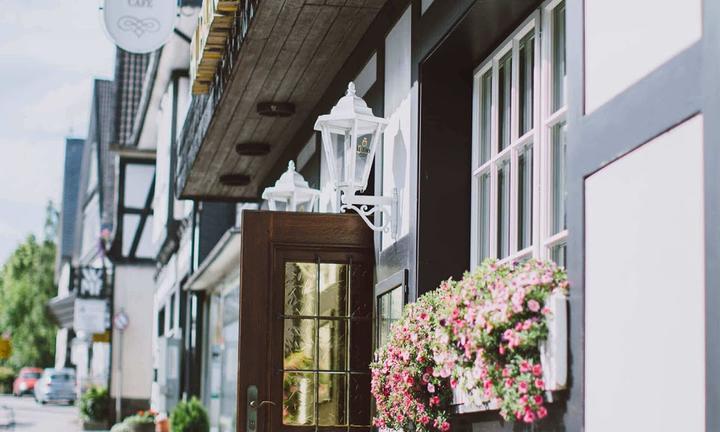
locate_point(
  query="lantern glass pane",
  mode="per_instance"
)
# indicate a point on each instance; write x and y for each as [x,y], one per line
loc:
[363,159]
[339,165]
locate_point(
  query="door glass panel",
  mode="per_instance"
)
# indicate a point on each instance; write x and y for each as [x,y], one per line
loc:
[390,307]
[301,288]
[299,399]
[333,290]
[527,66]
[332,345]
[324,343]
[504,101]
[332,399]
[300,344]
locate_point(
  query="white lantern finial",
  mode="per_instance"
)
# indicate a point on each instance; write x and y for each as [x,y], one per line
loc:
[291,166]
[351,89]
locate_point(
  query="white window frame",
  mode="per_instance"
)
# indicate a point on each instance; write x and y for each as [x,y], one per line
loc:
[543,240]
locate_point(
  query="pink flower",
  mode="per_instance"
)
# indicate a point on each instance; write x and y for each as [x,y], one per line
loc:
[533,305]
[523,387]
[529,417]
[540,384]
[537,370]
[525,366]
[542,412]
[431,388]
[538,399]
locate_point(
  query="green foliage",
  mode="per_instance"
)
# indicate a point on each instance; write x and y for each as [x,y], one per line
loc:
[26,285]
[189,416]
[95,404]
[142,417]
[120,427]
[7,375]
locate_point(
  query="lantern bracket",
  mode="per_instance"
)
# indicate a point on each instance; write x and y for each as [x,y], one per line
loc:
[366,206]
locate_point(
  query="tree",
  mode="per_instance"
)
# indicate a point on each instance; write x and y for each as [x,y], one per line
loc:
[26,285]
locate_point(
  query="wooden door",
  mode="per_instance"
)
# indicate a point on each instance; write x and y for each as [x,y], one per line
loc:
[306,298]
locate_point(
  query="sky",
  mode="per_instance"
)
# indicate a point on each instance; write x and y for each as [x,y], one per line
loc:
[50,51]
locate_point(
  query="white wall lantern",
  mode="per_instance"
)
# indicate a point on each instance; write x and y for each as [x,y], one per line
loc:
[350,137]
[291,193]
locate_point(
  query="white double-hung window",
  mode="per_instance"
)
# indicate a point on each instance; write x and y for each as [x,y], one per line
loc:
[518,175]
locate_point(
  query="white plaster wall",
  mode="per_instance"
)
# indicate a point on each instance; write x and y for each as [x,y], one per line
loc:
[644,288]
[134,287]
[627,39]
[398,107]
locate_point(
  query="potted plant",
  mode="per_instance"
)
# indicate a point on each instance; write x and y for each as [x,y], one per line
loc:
[189,416]
[94,407]
[143,421]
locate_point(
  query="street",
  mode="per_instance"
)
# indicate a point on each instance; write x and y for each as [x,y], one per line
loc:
[33,417]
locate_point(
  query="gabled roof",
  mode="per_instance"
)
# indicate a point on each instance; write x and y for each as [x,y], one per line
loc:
[130,70]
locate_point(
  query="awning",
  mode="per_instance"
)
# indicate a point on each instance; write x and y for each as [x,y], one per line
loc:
[223,259]
[63,309]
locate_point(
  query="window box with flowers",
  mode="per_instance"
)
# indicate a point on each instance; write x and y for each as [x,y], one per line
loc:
[493,340]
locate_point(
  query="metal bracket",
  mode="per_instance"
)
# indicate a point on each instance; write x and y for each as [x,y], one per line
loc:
[366,206]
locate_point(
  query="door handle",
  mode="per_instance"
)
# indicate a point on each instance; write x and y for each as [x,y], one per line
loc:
[253,405]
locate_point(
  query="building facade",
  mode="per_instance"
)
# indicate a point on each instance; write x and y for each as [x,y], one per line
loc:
[516,129]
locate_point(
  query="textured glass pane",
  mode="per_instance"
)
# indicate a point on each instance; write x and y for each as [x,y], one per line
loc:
[525,198]
[333,290]
[299,399]
[559,70]
[484,214]
[485,116]
[503,214]
[299,347]
[332,345]
[332,399]
[389,310]
[300,288]
[504,102]
[360,399]
[559,192]
[527,86]
[559,254]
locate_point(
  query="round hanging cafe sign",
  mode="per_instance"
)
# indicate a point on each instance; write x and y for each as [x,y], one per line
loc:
[139,26]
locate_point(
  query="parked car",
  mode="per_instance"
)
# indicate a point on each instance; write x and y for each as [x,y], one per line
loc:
[25,381]
[56,385]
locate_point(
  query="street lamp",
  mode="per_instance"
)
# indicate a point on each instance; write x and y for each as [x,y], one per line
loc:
[291,193]
[350,137]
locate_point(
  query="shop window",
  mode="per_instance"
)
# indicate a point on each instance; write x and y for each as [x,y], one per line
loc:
[519,144]
[390,297]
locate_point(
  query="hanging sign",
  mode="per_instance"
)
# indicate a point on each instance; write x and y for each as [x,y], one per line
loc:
[139,26]
[90,315]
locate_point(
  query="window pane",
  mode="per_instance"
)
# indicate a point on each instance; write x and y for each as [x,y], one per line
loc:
[300,288]
[558,178]
[390,307]
[332,345]
[559,74]
[558,254]
[527,85]
[333,290]
[503,213]
[332,399]
[299,399]
[484,214]
[525,198]
[504,102]
[299,346]
[485,116]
